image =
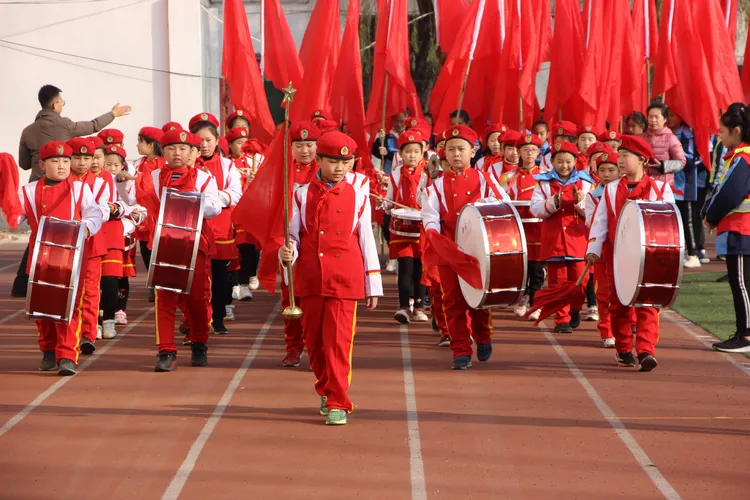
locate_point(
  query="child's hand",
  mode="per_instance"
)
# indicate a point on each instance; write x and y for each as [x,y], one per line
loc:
[372,303]
[579,196]
[286,254]
[124,176]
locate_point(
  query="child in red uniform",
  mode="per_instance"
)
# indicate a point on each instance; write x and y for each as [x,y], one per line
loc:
[510,157]
[633,155]
[336,265]
[407,183]
[521,187]
[611,138]
[564,131]
[57,194]
[458,187]
[558,200]
[439,322]
[493,161]
[607,171]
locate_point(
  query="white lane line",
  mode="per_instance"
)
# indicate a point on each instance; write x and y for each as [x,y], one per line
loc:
[64,380]
[10,317]
[705,340]
[180,478]
[418,486]
[15,264]
[622,432]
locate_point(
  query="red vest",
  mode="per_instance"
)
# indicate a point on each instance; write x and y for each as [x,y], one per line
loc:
[564,233]
[459,190]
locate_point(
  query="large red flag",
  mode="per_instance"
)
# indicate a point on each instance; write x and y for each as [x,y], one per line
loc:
[240,69]
[10,204]
[645,46]
[448,15]
[392,59]
[729,8]
[665,77]
[590,89]
[281,63]
[544,28]
[347,99]
[566,64]
[746,68]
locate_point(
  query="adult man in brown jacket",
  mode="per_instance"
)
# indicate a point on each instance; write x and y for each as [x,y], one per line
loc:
[49,125]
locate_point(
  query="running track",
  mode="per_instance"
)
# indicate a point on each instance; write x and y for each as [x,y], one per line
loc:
[547,417]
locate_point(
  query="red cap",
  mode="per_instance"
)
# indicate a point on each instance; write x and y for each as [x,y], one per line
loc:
[607,157]
[598,147]
[223,145]
[152,133]
[610,135]
[495,128]
[510,138]
[586,129]
[239,113]
[415,122]
[237,133]
[253,146]
[203,117]
[171,126]
[303,131]
[319,114]
[338,145]
[80,146]
[564,147]
[55,149]
[528,139]
[98,143]
[114,149]
[425,131]
[194,140]
[637,145]
[441,154]
[111,135]
[461,132]
[564,128]
[409,137]
[326,125]
[177,137]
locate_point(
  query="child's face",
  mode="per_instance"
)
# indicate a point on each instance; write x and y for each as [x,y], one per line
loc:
[630,164]
[529,154]
[608,172]
[493,142]
[729,138]
[195,153]
[439,145]
[333,170]
[564,164]
[97,161]
[541,132]
[411,153]
[304,151]
[56,169]
[144,148]
[79,165]
[236,146]
[584,141]
[178,155]
[113,164]
[459,153]
[634,128]
[240,122]
[615,145]
[208,142]
[510,155]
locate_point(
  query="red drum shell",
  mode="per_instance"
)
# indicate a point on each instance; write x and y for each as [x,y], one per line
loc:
[406,227]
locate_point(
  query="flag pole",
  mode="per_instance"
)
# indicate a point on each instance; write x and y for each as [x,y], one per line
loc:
[292,311]
[463,87]
[382,120]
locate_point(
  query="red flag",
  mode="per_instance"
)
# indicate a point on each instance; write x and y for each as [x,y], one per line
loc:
[665,77]
[443,250]
[392,59]
[281,63]
[347,98]
[319,54]
[544,27]
[746,68]
[729,8]
[645,46]
[590,88]
[11,204]
[240,69]
[566,64]
[448,15]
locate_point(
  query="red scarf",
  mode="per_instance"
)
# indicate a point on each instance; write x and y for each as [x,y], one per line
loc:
[213,165]
[185,183]
[641,191]
[146,166]
[409,184]
[489,161]
[335,190]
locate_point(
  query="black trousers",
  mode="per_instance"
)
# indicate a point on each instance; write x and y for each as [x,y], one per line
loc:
[688,229]
[695,210]
[123,292]
[249,257]
[145,253]
[22,279]
[738,269]
[534,279]
[221,288]
[409,282]
[386,227]
[110,297]
[591,291]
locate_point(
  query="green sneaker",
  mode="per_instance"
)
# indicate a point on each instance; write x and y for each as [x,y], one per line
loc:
[323,407]
[336,417]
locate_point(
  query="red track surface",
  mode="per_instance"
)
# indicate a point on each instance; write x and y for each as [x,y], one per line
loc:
[520,426]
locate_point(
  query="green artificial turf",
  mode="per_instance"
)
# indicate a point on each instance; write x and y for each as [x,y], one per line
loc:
[707,303]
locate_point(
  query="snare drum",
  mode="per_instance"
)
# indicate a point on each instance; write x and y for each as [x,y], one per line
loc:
[406,222]
[55,269]
[493,234]
[532,229]
[648,253]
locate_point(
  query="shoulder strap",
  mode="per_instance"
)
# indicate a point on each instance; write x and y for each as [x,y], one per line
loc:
[490,185]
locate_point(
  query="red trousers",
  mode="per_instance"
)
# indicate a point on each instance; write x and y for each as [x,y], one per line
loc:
[92,274]
[292,328]
[603,293]
[197,302]
[329,324]
[437,308]
[64,338]
[559,271]
[622,317]
[462,321]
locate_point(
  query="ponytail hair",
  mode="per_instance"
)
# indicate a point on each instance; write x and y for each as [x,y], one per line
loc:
[737,115]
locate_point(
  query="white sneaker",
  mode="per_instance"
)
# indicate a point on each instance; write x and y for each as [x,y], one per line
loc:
[391,266]
[521,307]
[608,343]
[98,332]
[402,316]
[108,329]
[535,315]
[253,283]
[236,292]
[703,257]
[692,262]
[420,317]
[121,318]
[411,305]
[591,314]
[245,293]
[229,314]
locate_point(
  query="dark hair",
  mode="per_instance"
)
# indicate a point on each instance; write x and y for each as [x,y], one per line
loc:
[737,115]
[157,145]
[204,124]
[540,122]
[231,124]
[638,118]
[661,107]
[47,94]
[461,114]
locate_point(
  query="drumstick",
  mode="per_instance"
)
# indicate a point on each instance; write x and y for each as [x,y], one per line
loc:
[584,273]
[389,201]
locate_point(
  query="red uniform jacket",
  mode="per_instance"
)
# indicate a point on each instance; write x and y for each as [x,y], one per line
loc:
[521,187]
[230,190]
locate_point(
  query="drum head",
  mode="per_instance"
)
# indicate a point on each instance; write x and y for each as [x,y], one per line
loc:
[471,238]
[629,254]
[407,213]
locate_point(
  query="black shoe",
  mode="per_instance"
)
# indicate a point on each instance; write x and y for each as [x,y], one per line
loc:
[219,328]
[564,327]
[167,361]
[575,319]
[738,343]
[48,363]
[625,359]
[18,292]
[435,325]
[199,354]
[87,347]
[484,351]
[66,367]
[152,295]
[723,279]
[461,363]
[646,362]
